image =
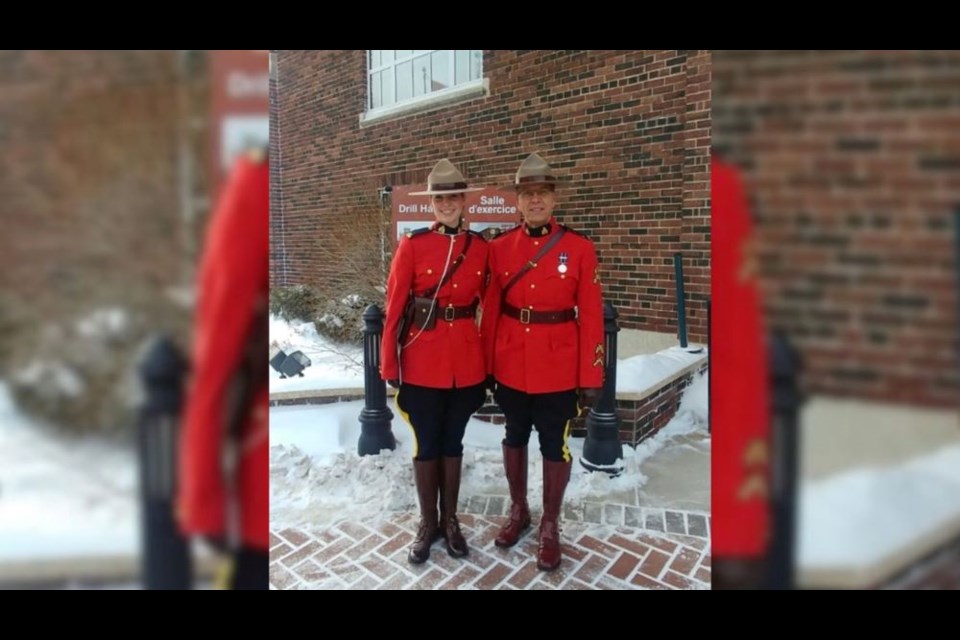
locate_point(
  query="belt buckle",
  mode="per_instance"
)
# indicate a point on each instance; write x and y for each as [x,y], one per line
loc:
[448,313]
[524,316]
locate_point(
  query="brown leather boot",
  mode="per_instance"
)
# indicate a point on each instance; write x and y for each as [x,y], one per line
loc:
[515,466]
[425,474]
[555,478]
[451,469]
[440,529]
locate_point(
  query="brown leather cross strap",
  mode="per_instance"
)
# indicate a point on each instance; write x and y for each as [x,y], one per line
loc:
[530,265]
[529,316]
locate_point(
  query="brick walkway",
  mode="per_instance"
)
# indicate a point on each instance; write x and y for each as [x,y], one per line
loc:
[607,546]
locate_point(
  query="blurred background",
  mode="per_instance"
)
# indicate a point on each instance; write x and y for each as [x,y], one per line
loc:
[110,162]
[851,164]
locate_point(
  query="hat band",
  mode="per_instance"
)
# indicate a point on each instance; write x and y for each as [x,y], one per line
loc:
[448,187]
[536,179]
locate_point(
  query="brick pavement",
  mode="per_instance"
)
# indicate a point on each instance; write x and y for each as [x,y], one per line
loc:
[605,546]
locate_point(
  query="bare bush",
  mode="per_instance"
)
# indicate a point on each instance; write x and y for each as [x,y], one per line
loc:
[360,246]
[298,302]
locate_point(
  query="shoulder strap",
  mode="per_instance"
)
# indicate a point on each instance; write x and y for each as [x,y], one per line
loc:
[416,232]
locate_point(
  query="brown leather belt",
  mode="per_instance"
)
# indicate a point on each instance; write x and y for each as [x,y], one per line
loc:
[529,316]
[450,313]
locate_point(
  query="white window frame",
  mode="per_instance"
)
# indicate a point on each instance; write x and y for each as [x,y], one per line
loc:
[453,93]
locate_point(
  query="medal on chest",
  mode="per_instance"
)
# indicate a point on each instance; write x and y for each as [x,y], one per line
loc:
[562,265]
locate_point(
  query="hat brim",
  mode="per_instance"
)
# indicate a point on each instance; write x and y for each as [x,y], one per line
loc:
[444,191]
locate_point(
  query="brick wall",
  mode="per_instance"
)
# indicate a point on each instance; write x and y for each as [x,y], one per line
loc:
[89,198]
[851,160]
[629,129]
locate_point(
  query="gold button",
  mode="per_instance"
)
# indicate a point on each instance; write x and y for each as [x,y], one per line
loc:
[528,329]
[536,243]
[506,273]
[429,271]
[562,276]
[479,274]
[454,285]
[533,286]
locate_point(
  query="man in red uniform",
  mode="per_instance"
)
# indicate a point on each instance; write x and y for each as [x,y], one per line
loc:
[223,488]
[437,365]
[739,412]
[543,333]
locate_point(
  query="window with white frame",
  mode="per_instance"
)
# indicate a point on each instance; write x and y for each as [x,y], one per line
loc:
[398,77]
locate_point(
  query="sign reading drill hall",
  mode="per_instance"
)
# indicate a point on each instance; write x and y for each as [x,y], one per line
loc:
[489,211]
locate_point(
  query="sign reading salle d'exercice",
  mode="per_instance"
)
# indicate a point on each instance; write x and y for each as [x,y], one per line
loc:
[490,211]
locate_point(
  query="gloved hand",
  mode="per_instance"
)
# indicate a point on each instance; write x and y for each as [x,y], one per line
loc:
[589,396]
[394,383]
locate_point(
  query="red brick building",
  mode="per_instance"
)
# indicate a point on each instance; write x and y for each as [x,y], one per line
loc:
[97,205]
[629,130]
[852,160]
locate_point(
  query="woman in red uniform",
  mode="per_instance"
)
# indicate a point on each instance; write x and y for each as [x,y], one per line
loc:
[436,360]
